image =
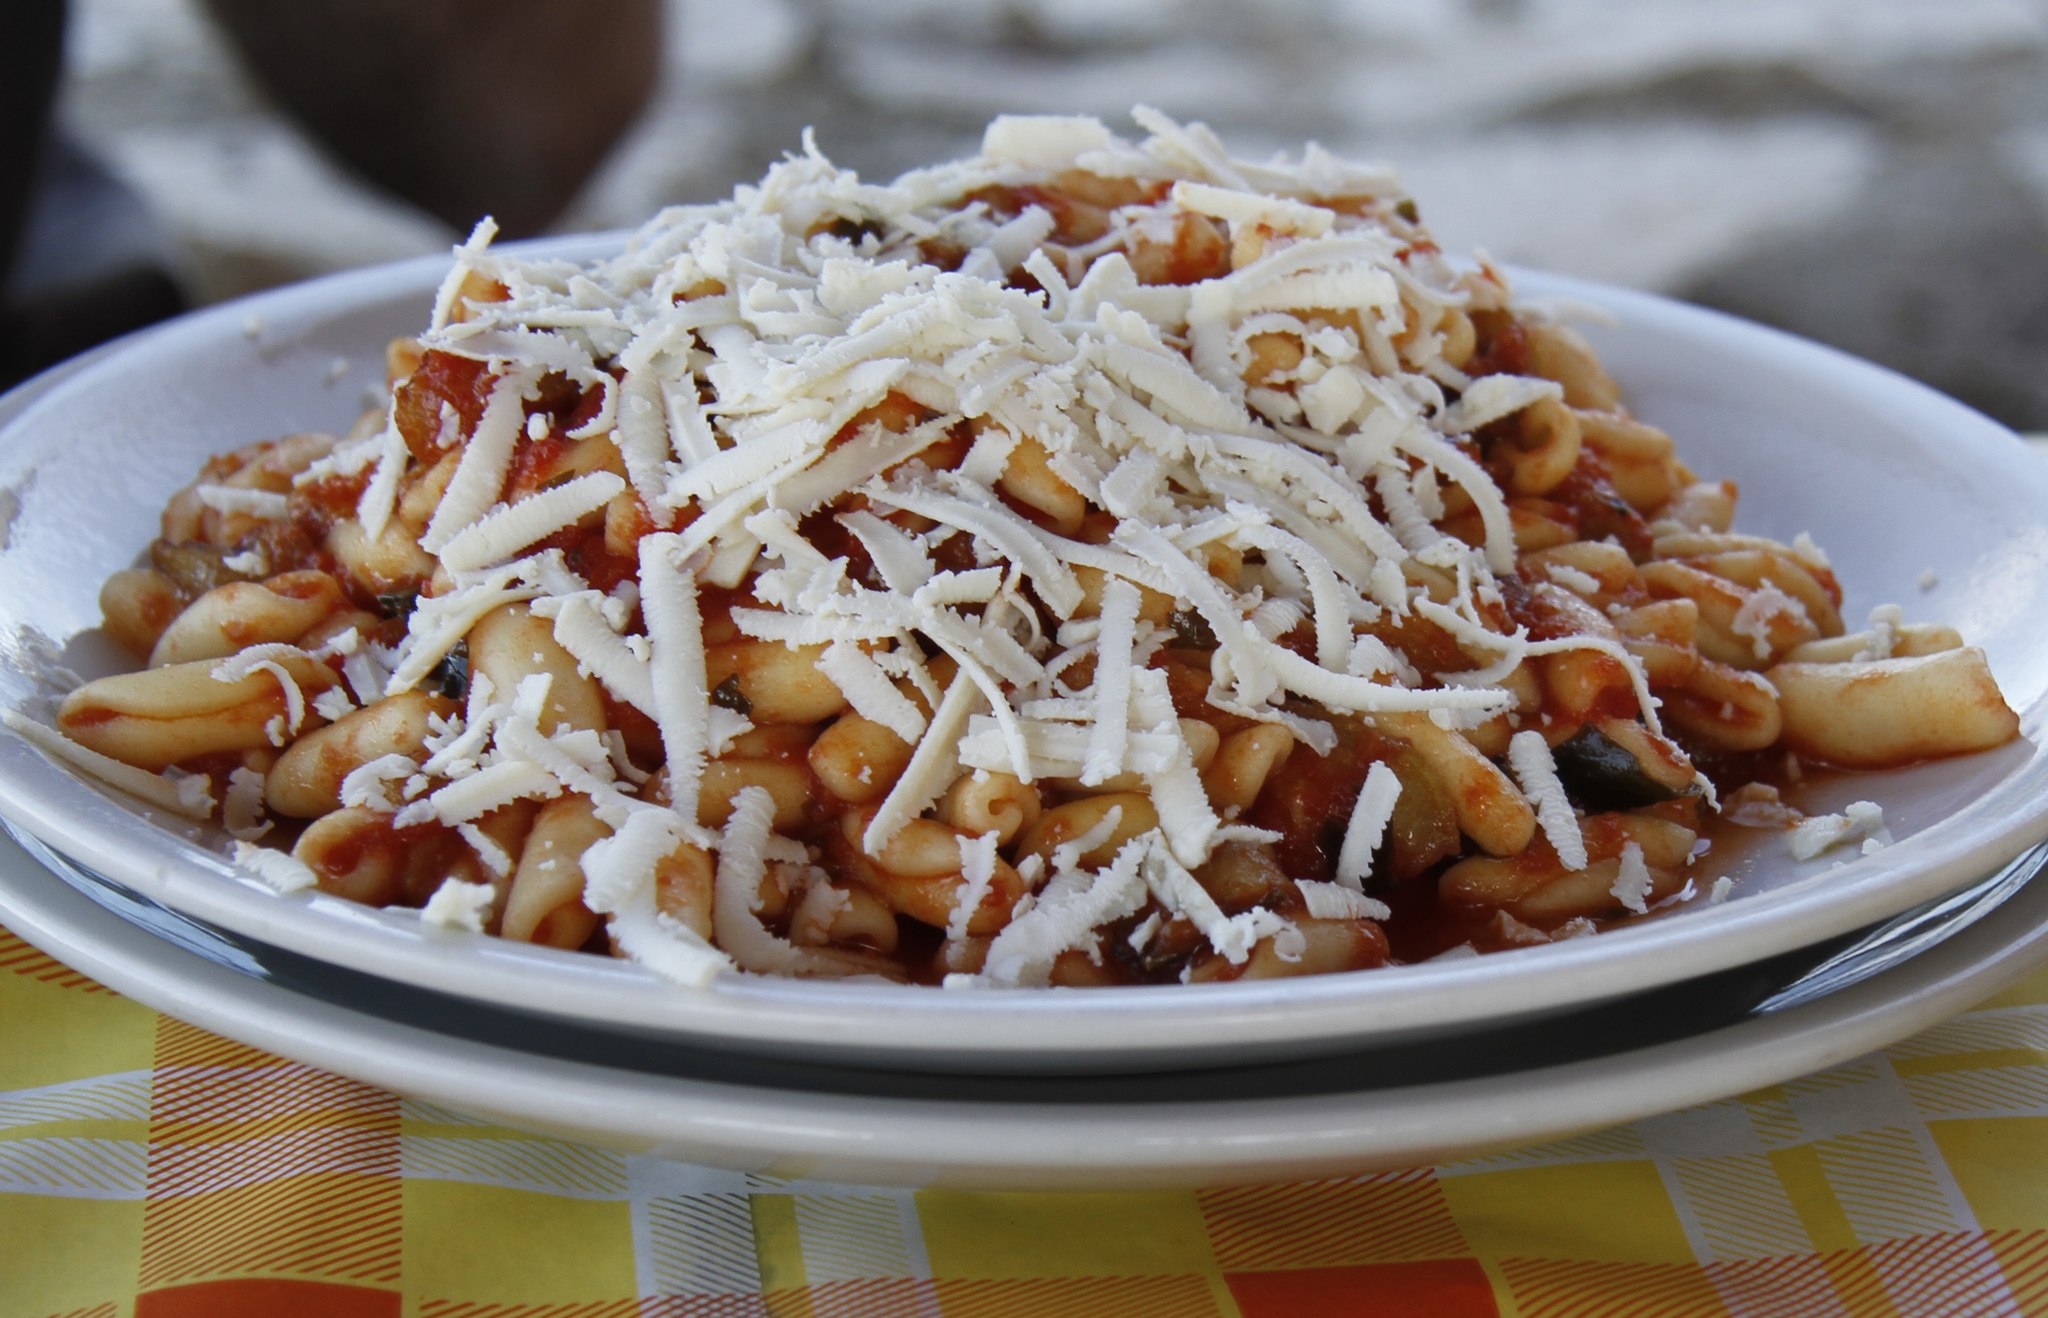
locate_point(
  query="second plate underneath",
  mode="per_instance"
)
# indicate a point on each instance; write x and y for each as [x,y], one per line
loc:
[1378,1108]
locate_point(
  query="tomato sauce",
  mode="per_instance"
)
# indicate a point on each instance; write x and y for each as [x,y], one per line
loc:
[1309,798]
[1598,511]
[585,553]
[1503,347]
[462,383]
[534,464]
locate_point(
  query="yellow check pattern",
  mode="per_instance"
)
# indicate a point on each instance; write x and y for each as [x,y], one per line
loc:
[150,1169]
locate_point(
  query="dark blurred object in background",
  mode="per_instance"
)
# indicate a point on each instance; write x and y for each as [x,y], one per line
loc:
[82,260]
[31,50]
[465,108]
[92,264]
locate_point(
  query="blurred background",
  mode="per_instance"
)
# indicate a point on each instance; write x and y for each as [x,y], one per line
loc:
[1873,173]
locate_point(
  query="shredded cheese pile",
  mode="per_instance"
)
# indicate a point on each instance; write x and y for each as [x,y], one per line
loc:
[731,343]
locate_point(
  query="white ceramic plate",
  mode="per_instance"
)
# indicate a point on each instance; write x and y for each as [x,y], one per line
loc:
[1327,1117]
[1894,480]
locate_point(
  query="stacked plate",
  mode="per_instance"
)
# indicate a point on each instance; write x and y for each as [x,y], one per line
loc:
[1808,963]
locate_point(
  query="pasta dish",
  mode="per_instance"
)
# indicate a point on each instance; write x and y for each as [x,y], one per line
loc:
[1091,562]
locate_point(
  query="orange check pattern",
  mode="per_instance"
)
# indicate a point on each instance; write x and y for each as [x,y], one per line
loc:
[153,1170]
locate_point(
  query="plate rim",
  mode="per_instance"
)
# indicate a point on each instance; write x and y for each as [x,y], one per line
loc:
[904,1139]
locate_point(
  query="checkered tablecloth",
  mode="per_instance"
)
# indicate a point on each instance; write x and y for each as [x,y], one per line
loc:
[149,1168]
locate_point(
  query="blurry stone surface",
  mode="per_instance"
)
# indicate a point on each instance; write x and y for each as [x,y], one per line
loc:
[1651,203]
[1939,268]
[1788,159]
[254,205]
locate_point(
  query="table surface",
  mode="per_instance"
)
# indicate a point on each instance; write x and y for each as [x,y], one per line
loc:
[149,1168]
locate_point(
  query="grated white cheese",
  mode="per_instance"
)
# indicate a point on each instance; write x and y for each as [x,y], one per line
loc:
[241,811]
[1860,821]
[1536,771]
[618,871]
[504,532]
[1516,933]
[744,853]
[1886,622]
[459,905]
[1111,712]
[1337,901]
[494,858]
[1186,818]
[367,785]
[264,659]
[478,794]
[1632,880]
[1233,937]
[486,459]
[675,633]
[669,948]
[902,559]
[868,689]
[1492,397]
[1759,609]
[1011,536]
[279,871]
[582,629]
[1572,579]
[931,766]
[380,496]
[235,499]
[1370,815]
[437,624]
[1809,553]
[1065,917]
[1043,141]
[977,873]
